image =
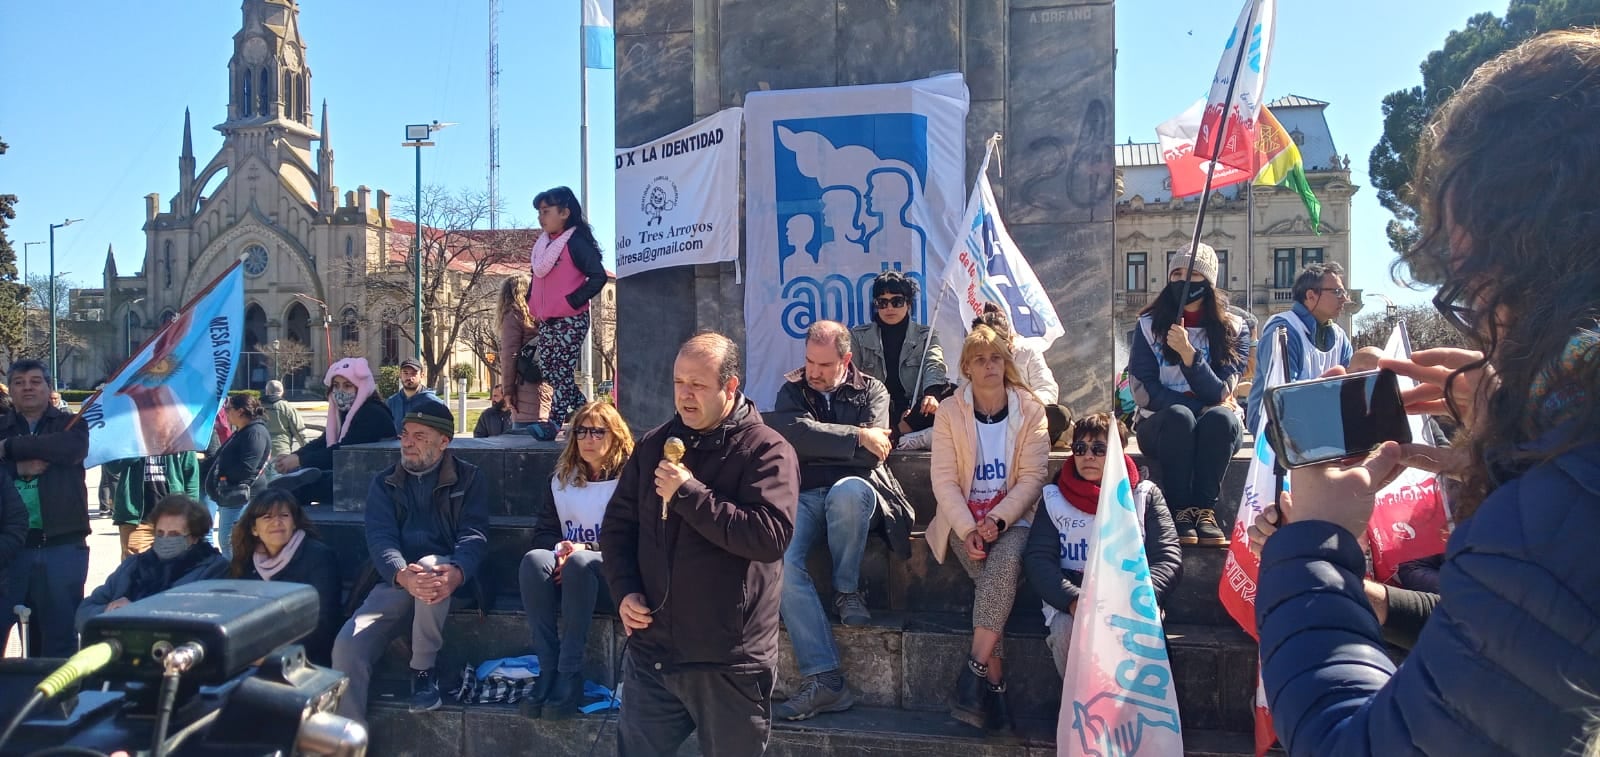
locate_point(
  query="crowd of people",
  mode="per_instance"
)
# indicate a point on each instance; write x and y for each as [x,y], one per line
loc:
[699,533]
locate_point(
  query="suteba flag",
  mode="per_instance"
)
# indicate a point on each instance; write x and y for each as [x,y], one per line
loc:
[165,398]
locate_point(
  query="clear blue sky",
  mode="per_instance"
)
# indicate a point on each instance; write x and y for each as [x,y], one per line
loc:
[93,96]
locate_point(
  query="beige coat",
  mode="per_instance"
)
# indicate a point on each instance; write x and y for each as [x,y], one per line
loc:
[955,446]
[532,400]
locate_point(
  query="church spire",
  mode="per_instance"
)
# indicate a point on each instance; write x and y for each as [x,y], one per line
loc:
[186,170]
[111,266]
[327,199]
[188,139]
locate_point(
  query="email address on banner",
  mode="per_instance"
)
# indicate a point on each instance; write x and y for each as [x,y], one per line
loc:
[651,254]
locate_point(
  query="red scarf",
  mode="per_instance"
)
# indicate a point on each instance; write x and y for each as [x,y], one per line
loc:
[1085,495]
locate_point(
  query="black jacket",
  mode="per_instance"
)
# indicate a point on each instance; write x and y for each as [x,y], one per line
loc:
[63,498]
[13,523]
[1041,559]
[373,424]
[235,475]
[823,435]
[492,422]
[454,522]
[712,571]
[316,566]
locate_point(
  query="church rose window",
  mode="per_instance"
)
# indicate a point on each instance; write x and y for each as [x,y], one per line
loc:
[255,260]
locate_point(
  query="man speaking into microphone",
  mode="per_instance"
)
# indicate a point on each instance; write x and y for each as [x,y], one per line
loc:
[694,550]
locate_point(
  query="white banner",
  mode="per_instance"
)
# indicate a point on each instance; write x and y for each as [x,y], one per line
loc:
[985,266]
[841,184]
[678,197]
[1117,693]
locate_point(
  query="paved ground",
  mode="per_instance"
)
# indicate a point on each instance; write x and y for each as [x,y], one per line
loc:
[104,543]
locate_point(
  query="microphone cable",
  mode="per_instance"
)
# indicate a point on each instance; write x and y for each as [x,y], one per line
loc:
[86,662]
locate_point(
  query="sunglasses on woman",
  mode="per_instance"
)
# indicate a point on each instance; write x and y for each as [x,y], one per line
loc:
[1081,449]
[589,432]
[896,301]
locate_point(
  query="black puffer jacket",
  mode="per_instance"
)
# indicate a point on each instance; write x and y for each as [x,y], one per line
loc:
[712,571]
[823,434]
[235,473]
[373,423]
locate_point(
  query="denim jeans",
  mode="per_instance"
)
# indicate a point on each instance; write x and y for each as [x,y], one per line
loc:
[49,580]
[842,514]
[226,517]
[581,588]
[1193,452]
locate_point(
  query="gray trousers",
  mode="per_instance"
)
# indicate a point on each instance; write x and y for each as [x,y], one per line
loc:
[367,633]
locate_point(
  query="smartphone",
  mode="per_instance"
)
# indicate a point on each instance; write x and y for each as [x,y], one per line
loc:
[1327,419]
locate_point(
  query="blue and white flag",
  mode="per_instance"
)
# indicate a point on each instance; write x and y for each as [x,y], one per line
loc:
[1117,695]
[599,40]
[985,266]
[842,184]
[165,398]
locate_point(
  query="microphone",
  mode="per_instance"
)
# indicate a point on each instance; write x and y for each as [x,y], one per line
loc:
[673,450]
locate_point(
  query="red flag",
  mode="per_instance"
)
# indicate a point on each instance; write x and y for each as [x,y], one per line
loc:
[1237,89]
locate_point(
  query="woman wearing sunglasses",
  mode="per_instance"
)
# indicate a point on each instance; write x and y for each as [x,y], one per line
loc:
[892,348]
[1509,661]
[562,572]
[1058,544]
[991,451]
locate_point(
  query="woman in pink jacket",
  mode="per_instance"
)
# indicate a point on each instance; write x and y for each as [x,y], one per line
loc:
[567,273]
[991,451]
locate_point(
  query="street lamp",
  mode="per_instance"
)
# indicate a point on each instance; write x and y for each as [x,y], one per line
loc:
[277,345]
[55,367]
[127,320]
[1391,311]
[25,246]
[327,323]
[417,137]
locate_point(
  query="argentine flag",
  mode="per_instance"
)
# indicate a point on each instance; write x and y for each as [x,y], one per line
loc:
[599,40]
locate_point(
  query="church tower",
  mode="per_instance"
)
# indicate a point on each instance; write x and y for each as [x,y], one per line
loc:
[268,76]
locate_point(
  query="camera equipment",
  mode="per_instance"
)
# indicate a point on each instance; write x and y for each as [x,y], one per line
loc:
[215,659]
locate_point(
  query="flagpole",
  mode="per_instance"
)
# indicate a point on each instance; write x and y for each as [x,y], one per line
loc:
[1250,250]
[587,386]
[158,332]
[1216,147]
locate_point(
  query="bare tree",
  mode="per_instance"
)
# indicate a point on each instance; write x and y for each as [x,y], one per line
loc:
[287,355]
[1424,324]
[604,330]
[36,337]
[483,338]
[462,267]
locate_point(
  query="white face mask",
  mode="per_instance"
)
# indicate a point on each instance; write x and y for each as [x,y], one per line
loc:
[344,399]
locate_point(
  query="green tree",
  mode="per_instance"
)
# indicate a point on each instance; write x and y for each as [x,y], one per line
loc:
[1426,327]
[12,292]
[1407,112]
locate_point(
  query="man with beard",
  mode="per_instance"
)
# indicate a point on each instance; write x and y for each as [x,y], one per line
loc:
[427,520]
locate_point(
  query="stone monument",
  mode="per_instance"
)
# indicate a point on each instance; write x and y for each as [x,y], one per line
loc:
[1039,71]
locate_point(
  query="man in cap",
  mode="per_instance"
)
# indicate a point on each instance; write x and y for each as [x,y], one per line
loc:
[412,394]
[427,523]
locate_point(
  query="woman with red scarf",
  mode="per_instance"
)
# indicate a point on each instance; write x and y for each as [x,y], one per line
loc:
[567,273]
[1058,545]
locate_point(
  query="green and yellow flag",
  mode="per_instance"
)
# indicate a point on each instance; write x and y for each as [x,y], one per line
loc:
[1280,163]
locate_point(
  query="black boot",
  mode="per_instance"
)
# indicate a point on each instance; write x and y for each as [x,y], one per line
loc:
[997,712]
[968,704]
[532,705]
[567,697]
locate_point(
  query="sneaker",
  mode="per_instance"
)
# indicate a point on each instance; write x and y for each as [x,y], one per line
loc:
[852,608]
[1207,532]
[1184,520]
[424,691]
[813,699]
[916,440]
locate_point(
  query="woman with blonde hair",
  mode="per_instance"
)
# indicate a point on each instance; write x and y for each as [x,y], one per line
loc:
[527,393]
[991,450]
[563,569]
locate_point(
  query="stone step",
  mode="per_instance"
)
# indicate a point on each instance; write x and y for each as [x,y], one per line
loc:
[915,585]
[900,661]
[497,729]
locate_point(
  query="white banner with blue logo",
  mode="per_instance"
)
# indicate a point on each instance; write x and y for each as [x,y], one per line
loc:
[985,266]
[165,398]
[841,184]
[678,197]
[1117,695]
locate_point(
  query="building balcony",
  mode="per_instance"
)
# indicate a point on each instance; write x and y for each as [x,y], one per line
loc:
[1135,301]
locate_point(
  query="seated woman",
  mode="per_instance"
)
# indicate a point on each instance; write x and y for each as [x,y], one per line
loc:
[273,540]
[1184,362]
[1031,366]
[897,350]
[563,569]
[356,415]
[1058,545]
[179,555]
[990,461]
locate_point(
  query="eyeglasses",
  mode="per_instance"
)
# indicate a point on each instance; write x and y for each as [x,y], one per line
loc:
[1341,292]
[591,432]
[1081,449]
[1449,301]
[897,301]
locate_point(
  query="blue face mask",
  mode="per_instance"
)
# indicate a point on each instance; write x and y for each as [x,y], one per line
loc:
[170,547]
